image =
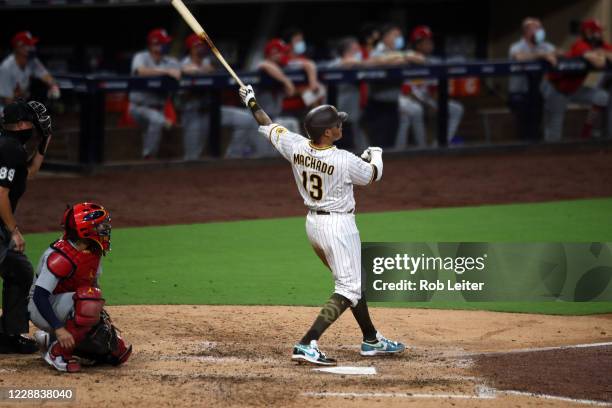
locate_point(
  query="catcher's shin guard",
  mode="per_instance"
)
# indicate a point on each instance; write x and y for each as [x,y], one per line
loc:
[88,305]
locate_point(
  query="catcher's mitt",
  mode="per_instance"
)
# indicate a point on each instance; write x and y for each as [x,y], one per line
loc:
[103,344]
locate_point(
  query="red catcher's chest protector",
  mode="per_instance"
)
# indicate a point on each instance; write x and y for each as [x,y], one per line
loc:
[75,268]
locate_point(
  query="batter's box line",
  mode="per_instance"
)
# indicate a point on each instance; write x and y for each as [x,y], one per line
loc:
[536,349]
[392,395]
[556,398]
[483,393]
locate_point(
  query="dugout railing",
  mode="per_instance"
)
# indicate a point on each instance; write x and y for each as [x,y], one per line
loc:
[90,91]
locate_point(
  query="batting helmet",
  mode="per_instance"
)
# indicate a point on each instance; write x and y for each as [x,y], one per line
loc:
[321,118]
[88,221]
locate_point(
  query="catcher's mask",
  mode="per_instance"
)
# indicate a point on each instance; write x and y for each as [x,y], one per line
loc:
[88,221]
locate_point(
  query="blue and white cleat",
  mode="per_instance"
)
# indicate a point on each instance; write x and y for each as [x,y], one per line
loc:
[382,346]
[311,354]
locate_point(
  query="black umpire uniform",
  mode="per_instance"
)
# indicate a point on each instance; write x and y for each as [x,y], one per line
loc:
[15,268]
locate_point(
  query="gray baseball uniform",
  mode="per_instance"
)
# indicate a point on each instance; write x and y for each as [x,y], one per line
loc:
[555,105]
[147,108]
[349,98]
[519,83]
[196,127]
[412,113]
[62,304]
[15,81]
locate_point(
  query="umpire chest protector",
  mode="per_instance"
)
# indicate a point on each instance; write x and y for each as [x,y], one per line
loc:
[13,167]
[74,268]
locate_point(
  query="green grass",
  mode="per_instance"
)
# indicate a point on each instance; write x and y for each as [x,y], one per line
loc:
[271,262]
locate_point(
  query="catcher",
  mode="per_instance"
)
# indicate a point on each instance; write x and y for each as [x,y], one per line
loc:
[66,302]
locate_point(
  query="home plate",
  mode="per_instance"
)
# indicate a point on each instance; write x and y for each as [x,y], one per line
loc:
[348,370]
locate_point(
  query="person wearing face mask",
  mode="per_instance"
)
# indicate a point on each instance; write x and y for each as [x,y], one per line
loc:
[384,97]
[314,93]
[526,106]
[18,124]
[294,37]
[277,55]
[561,89]
[19,67]
[146,107]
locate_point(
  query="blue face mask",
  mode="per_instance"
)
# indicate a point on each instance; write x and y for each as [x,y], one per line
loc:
[357,56]
[299,47]
[539,36]
[165,49]
[399,43]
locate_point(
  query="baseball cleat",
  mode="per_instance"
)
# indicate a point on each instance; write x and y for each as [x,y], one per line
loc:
[42,339]
[311,354]
[381,346]
[55,359]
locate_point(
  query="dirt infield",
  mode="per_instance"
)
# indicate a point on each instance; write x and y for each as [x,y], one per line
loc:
[239,356]
[582,373]
[227,191]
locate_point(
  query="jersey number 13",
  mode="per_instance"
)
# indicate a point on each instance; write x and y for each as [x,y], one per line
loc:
[316,185]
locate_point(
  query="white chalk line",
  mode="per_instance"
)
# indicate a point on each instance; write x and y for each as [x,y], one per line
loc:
[557,398]
[218,360]
[482,393]
[393,395]
[536,349]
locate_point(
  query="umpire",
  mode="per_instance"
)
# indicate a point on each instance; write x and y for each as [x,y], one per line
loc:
[20,119]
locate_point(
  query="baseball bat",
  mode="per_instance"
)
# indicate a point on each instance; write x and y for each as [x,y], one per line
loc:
[197,28]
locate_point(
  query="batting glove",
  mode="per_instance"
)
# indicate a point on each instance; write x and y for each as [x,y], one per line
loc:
[246,94]
[367,153]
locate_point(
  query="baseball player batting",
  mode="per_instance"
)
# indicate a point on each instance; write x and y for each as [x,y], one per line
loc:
[325,176]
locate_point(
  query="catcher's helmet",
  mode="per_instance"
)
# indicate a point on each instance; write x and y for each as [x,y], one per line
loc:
[321,118]
[88,221]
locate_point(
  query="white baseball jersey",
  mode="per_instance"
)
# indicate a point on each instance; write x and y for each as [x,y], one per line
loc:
[13,77]
[324,177]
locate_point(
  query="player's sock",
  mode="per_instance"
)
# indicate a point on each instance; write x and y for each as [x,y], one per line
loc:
[335,306]
[362,315]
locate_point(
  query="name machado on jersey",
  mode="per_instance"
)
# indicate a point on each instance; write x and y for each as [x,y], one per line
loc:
[313,163]
[324,177]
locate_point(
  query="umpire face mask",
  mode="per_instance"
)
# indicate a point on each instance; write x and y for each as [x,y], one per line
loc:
[22,135]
